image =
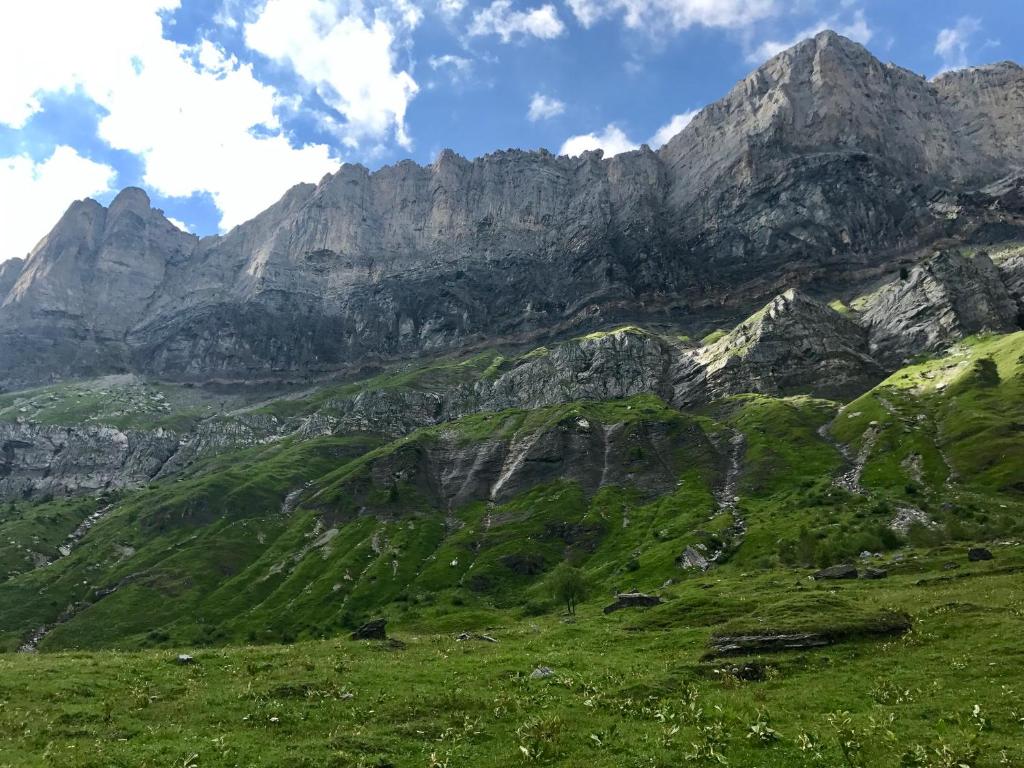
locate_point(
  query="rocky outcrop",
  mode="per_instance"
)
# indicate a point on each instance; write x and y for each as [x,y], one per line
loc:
[9,272]
[632,600]
[795,344]
[444,469]
[37,460]
[940,301]
[812,171]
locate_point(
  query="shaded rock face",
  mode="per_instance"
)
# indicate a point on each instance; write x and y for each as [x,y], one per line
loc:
[942,300]
[814,169]
[1012,271]
[445,472]
[790,343]
[38,460]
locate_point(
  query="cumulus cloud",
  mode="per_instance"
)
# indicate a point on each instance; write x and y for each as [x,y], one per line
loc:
[662,136]
[544,107]
[951,42]
[656,15]
[857,30]
[348,59]
[35,194]
[500,19]
[200,120]
[451,8]
[613,140]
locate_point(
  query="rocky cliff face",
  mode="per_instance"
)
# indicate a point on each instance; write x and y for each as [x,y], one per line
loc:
[813,171]
[37,461]
[793,345]
[947,297]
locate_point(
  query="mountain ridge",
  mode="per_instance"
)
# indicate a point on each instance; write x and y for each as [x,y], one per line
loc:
[810,173]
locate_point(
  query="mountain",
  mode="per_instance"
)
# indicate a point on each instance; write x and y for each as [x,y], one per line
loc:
[824,169]
[787,338]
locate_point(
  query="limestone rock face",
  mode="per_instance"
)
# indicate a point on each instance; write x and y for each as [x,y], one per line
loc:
[1012,271]
[37,460]
[944,299]
[795,344]
[811,173]
[9,272]
[84,285]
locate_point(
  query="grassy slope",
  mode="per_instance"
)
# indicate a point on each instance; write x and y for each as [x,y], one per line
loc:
[630,689]
[222,562]
[216,560]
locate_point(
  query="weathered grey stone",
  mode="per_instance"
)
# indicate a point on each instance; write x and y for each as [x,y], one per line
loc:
[36,460]
[632,600]
[977,554]
[837,572]
[371,630]
[942,300]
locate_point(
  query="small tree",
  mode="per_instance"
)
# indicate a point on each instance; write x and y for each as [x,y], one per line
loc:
[569,586]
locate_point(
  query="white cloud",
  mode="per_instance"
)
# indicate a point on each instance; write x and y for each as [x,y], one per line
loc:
[188,112]
[656,15]
[662,136]
[499,19]
[612,140]
[179,224]
[951,42]
[450,60]
[451,8]
[857,30]
[34,195]
[349,60]
[544,107]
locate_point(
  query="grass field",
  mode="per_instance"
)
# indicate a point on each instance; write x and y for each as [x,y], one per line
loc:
[628,689]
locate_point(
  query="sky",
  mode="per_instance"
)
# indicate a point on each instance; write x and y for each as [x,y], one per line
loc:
[216,107]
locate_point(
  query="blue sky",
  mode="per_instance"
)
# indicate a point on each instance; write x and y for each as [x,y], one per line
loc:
[215,107]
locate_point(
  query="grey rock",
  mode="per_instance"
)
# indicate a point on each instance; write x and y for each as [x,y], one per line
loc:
[691,558]
[183,659]
[942,300]
[793,343]
[36,460]
[977,554]
[542,673]
[632,600]
[371,630]
[836,572]
[874,573]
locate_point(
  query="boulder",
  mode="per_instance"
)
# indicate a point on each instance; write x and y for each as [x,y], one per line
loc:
[874,573]
[541,673]
[691,558]
[845,571]
[632,600]
[184,659]
[977,554]
[371,630]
